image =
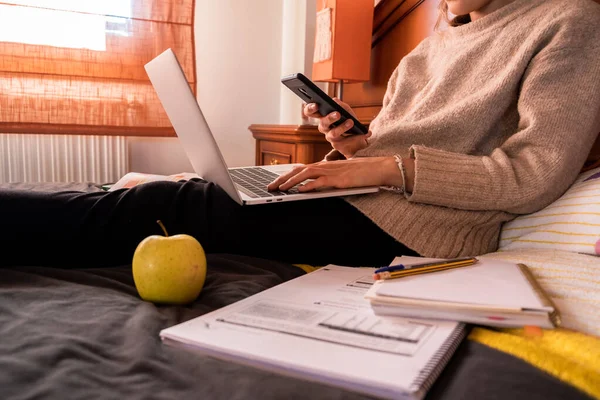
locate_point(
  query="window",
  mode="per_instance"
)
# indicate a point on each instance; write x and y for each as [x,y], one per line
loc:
[73,66]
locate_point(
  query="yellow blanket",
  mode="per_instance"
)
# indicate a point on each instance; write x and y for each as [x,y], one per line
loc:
[570,356]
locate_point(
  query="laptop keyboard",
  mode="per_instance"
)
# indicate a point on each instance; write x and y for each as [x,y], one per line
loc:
[253,181]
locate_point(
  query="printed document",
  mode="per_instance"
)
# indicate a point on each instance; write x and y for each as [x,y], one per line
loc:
[320,327]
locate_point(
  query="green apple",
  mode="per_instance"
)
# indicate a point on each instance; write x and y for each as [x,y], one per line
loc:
[169,269]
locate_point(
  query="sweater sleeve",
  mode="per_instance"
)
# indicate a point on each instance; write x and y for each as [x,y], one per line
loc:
[559,111]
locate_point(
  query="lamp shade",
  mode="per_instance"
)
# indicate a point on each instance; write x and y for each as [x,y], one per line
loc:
[343,40]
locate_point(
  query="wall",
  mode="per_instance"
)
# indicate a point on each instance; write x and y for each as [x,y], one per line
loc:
[238,59]
[242,50]
[298,33]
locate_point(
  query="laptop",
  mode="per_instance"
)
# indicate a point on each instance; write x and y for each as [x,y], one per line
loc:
[245,185]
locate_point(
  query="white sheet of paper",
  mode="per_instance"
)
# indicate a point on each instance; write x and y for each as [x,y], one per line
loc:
[321,327]
[323,36]
[488,282]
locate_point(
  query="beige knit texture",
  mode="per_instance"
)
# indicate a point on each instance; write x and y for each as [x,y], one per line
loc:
[499,115]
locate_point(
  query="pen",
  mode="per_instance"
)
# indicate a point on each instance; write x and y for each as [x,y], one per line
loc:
[396,271]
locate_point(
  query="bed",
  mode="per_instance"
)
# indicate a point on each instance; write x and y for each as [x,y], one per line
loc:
[85,333]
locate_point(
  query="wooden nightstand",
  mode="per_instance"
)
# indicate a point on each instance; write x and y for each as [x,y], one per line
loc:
[288,144]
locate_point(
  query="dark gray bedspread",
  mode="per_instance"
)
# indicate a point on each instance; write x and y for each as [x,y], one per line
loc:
[85,334]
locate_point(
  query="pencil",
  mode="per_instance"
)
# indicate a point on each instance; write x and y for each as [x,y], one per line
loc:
[424,270]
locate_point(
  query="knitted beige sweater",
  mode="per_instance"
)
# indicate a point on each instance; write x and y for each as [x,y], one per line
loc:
[499,115]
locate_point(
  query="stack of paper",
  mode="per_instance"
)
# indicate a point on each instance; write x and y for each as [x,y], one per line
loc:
[490,292]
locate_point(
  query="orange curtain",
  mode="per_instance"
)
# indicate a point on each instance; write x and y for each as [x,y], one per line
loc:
[77,67]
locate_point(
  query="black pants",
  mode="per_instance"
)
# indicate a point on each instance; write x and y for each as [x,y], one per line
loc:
[75,229]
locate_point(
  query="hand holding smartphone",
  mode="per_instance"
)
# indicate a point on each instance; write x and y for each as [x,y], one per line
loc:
[311,93]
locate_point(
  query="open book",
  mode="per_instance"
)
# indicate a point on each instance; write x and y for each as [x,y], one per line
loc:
[319,327]
[132,179]
[490,292]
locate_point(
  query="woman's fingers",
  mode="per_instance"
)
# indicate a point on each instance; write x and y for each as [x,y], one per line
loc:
[325,124]
[311,110]
[323,181]
[299,175]
[345,106]
[365,171]
[275,185]
[348,138]
[316,176]
[339,132]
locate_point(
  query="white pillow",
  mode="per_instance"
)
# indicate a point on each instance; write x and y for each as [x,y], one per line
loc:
[571,223]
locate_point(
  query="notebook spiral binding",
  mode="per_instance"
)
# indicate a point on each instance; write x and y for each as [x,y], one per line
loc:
[436,364]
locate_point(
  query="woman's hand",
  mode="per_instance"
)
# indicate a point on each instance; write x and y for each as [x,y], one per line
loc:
[358,172]
[347,144]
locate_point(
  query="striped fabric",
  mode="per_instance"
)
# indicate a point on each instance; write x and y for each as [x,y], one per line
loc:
[571,223]
[570,279]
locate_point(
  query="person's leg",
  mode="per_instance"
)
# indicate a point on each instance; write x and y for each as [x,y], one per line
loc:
[317,232]
[89,229]
[73,229]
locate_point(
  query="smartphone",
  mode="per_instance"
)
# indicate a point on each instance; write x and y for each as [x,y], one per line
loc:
[311,93]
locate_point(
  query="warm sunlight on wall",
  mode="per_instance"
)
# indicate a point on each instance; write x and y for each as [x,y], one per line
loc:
[83,29]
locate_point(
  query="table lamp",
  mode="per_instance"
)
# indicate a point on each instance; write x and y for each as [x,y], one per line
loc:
[344,29]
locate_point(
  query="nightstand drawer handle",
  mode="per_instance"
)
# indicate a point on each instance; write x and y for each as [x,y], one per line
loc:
[274,162]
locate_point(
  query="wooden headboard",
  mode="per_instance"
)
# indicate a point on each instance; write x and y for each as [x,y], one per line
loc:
[398,27]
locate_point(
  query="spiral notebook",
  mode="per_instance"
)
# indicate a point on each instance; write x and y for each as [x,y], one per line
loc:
[319,327]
